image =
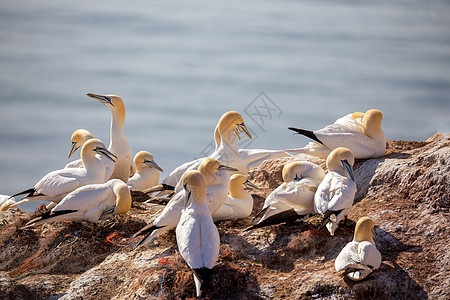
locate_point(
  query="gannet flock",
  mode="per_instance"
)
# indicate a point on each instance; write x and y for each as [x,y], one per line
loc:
[200,192]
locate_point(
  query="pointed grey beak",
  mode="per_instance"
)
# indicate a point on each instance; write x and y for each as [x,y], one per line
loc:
[73,149]
[152,164]
[236,133]
[297,178]
[349,169]
[103,99]
[106,153]
[188,195]
[244,129]
[374,234]
[227,168]
[251,186]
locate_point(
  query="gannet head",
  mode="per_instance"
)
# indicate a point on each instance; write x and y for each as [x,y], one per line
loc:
[237,184]
[365,230]
[341,160]
[144,159]
[296,170]
[209,168]
[357,115]
[195,186]
[372,123]
[79,137]
[93,146]
[232,121]
[113,102]
[123,198]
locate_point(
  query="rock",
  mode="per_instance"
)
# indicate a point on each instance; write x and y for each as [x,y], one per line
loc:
[406,192]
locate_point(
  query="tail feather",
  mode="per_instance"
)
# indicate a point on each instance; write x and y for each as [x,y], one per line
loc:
[202,275]
[159,188]
[49,216]
[150,232]
[285,216]
[326,217]
[307,133]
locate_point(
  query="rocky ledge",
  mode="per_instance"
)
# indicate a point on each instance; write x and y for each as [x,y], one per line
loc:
[406,192]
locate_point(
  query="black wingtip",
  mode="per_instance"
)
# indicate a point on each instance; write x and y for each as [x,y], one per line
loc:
[30,193]
[307,133]
[147,230]
[326,217]
[49,214]
[285,216]
[204,274]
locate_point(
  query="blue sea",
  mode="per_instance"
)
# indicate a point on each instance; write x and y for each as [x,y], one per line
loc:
[179,65]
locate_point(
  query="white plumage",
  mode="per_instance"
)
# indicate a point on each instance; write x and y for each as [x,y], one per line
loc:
[147,172]
[5,202]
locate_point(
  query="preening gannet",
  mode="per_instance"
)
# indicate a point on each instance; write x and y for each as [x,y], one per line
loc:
[335,194]
[294,198]
[364,137]
[147,172]
[90,203]
[57,184]
[239,203]
[197,237]
[361,256]
[217,186]
[6,202]
[118,145]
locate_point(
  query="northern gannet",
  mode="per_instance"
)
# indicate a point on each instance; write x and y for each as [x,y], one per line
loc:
[364,137]
[217,186]
[90,203]
[147,172]
[239,203]
[124,167]
[335,194]
[6,202]
[294,198]
[198,239]
[361,256]
[79,137]
[57,184]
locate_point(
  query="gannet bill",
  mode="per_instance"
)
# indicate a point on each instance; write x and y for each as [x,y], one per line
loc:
[361,256]
[57,184]
[239,203]
[90,203]
[198,239]
[6,202]
[294,198]
[364,138]
[147,172]
[118,143]
[335,194]
[217,186]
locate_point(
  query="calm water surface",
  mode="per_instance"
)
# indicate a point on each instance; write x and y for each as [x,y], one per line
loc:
[179,66]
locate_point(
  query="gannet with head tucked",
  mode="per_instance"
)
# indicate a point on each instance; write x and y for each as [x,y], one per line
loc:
[294,198]
[147,172]
[239,203]
[79,137]
[57,184]
[335,194]
[6,202]
[197,237]
[217,186]
[364,137]
[361,256]
[90,203]
[118,145]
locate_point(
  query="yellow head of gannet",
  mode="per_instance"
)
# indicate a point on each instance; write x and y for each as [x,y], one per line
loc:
[79,137]
[237,184]
[97,146]
[372,124]
[231,121]
[297,170]
[210,166]
[113,102]
[195,185]
[365,231]
[123,199]
[144,159]
[341,160]
[357,115]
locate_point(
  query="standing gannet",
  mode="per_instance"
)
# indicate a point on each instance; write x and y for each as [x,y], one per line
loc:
[197,237]
[79,137]
[118,145]
[6,202]
[239,203]
[294,198]
[90,203]
[217,186]
[364,137]
[361,256]
[147,172]
[57,184]
[335,194]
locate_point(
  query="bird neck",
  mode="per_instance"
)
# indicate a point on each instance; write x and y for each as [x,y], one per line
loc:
[237,191]
[361,236]
[91,163]
[117,122]
[372,128]
[123,199]
[198,196]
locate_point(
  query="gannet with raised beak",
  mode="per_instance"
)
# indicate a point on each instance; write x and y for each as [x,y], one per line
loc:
[124,167]
[360,257]
[90,203]
[57,184]
[294,198]
[335,194]
[197,237]
[239,203]
[364,138]
[147,172]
